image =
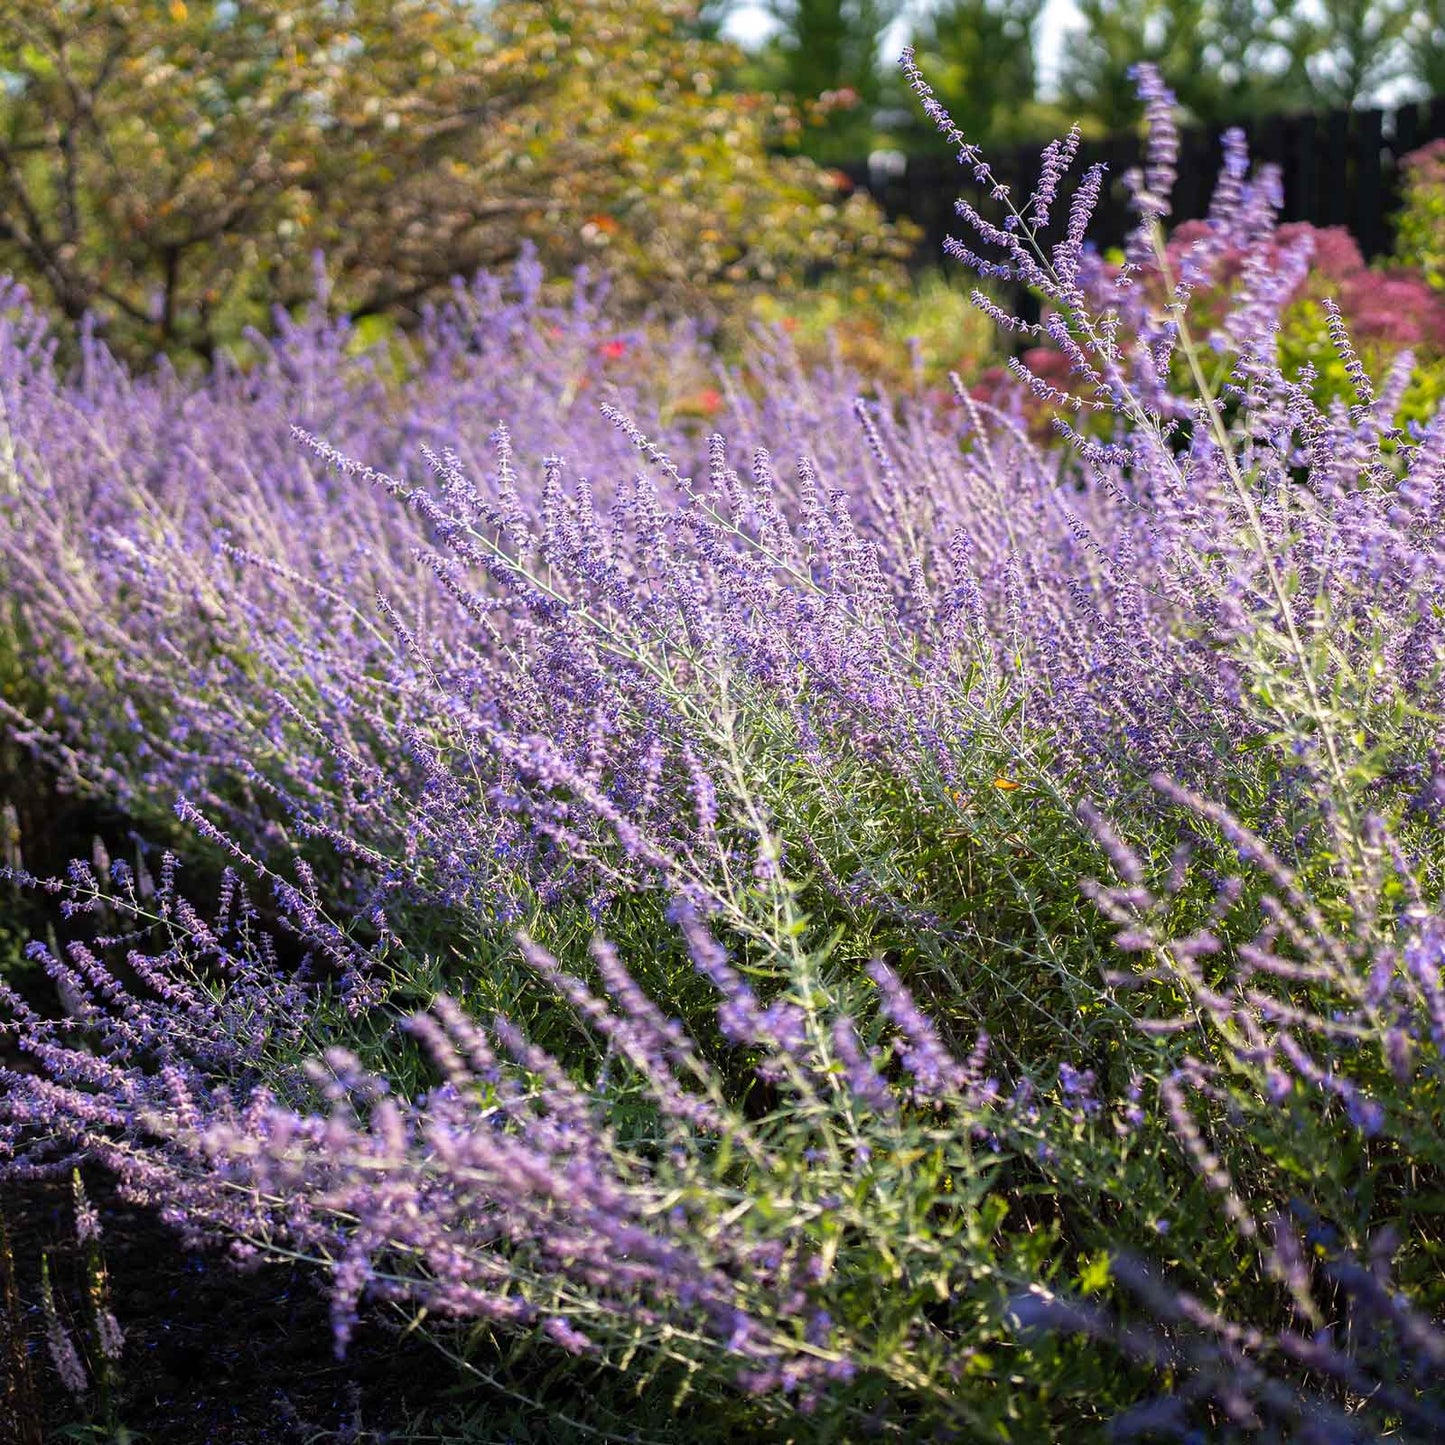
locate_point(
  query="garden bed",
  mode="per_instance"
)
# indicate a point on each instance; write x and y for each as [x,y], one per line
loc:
[213,1354]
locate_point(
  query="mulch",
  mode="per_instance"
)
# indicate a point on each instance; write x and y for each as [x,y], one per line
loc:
[212,1354]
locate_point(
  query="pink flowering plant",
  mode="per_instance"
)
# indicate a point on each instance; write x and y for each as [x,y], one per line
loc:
[1393,311]
[920,930]
[1419,239]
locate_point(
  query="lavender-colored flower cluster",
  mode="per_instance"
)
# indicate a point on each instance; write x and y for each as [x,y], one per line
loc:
[845,725]
[506,1192]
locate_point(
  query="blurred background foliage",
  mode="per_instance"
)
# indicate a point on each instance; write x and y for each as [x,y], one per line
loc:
[171,169]
[1225,60]
[1230,59]
[1422,219]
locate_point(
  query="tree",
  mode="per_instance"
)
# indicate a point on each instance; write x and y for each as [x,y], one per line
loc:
[1425,47]
[171,168]
[1225,59]
[1250,63]
[979,57]
[1117,34]
[1354,47]
[825,55]
[711,17]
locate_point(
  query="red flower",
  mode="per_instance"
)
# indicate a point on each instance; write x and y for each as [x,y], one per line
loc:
[612,350]
[705,402]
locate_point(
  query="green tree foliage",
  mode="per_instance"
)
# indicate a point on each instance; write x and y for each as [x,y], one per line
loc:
[1354,47]
[171,168]
[1425,46]
[711,16]
[980,57]
[825,54]
[1225,59]
[1229,59]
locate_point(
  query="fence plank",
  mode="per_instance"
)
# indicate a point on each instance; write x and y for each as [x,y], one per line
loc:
[1408,130]
[1366,193]
[1302,174]
[1198,165]
[1334,194]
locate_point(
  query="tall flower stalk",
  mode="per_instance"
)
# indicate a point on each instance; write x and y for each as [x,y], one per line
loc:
[919,927]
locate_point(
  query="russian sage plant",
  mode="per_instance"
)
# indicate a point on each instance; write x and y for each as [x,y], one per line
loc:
[926,929]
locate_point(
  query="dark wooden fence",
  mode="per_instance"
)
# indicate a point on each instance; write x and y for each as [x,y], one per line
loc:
[1340,168]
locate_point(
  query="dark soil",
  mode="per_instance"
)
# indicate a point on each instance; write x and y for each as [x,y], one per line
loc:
[212,1354]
